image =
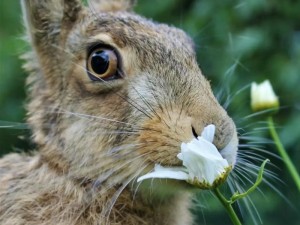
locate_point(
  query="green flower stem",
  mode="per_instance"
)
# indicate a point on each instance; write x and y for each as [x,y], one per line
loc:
[228,206]
[236,196]
[283,153]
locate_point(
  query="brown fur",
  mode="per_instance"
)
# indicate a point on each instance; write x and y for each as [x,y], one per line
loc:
[95,138]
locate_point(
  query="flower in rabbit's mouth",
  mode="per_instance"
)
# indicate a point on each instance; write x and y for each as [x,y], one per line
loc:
[203,165]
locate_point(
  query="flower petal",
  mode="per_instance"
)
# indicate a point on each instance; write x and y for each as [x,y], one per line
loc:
[176,173]
[208,132]
[202,160]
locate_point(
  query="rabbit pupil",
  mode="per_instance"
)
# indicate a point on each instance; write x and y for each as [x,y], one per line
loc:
[100,62]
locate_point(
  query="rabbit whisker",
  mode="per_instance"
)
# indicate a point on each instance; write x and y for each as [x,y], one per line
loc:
[104,177]
[117,149]
[127,128]
[147,103]
[95,117]
[108,208]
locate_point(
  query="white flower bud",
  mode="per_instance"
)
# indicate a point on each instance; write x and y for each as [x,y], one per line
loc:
[263,96]
[203,165]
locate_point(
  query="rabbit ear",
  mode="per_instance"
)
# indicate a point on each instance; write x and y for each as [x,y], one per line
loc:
[48,21]
[111,5]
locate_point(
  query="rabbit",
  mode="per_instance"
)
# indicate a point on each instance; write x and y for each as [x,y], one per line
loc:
[111,94]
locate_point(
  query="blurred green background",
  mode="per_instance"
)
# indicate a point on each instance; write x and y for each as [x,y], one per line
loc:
[237,42]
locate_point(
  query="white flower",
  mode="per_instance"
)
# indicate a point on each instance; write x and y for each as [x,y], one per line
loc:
[263,96]
[203,165]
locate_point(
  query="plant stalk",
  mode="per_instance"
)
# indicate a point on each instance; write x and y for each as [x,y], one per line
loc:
[283,153]
[227,205]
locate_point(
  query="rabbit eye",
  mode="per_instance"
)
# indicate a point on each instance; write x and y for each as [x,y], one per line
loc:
[102,64]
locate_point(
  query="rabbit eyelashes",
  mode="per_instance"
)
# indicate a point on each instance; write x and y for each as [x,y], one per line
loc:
[110,95]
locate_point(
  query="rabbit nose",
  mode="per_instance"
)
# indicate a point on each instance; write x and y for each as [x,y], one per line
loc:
[224,134]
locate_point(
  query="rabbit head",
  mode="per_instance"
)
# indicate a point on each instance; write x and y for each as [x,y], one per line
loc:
[112,93]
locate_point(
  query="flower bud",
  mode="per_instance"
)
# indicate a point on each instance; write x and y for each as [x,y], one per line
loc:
[263,96]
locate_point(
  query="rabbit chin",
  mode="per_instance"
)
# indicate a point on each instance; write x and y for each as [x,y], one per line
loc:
[162,189]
